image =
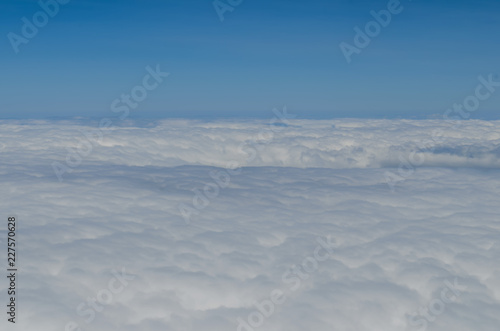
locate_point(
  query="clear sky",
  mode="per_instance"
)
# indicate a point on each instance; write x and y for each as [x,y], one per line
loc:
[265,54]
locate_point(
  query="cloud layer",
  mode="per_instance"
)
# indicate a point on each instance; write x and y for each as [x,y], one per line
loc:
[393,254]
[337,144]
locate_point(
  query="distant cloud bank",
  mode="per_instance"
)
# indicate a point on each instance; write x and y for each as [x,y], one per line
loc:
[336,144]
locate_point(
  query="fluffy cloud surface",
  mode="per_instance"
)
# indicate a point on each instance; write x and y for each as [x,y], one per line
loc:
[346,225]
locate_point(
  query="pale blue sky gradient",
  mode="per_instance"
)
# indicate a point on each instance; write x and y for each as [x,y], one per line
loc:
[265,54]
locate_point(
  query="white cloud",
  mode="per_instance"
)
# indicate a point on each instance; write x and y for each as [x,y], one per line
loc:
[119,208]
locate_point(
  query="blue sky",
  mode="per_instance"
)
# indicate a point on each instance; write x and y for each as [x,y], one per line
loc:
[265,54]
